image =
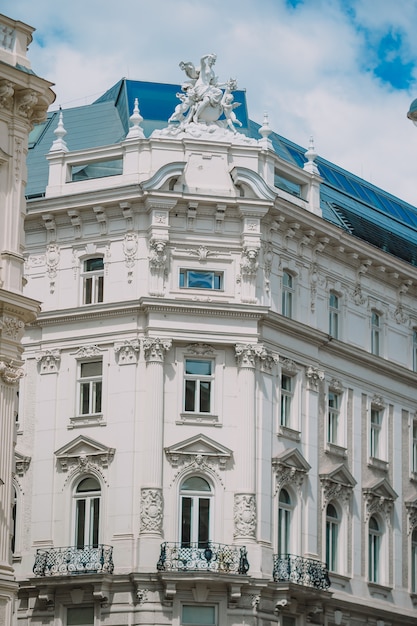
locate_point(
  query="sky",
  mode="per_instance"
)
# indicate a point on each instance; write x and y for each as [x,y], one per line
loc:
[341,71]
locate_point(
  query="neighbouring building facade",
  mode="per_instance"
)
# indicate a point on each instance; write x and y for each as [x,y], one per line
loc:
[24,101]
[218,418]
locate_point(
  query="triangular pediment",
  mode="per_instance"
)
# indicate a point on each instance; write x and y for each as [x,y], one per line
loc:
[199,446]
[83,448]
[340,475]
[381,489]
[292,459]
[21,462]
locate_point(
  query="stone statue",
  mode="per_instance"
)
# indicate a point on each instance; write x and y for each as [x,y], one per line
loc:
[203,100]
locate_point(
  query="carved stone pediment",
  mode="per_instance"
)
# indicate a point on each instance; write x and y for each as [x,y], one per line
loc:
[290,467]
[21,463]
[411,507]
[198,449]
[379,498]
[83,451]
[337,483]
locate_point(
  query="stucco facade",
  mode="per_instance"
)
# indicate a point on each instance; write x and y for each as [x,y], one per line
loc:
[217,421]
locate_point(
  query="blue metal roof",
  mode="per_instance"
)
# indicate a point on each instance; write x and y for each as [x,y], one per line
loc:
[347,201]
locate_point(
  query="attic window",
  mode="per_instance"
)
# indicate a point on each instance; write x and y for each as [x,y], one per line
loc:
[287,185]
[98,169]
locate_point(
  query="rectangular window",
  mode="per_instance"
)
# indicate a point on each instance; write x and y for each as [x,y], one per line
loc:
[375,333]
[93,280]
[286,400]
[333,316]
[414,448]
[287,294]
[333,412]
[193,279]
[90,387]
[193,615]
[198,386]
[415,350]
[80,616]
[375,433]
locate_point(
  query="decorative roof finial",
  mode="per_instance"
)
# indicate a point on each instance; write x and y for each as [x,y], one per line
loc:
[135,119]
[311,155]
[59,143]
[265,130]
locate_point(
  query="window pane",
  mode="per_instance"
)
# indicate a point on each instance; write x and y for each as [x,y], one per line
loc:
[80,616]
[195,483]
[200,280]
[190,395]
[286,382]
[85,398]
[88,290]
[80,524]
[186,521]
[91,368]
[92,265]
[94,521]
[97,397]
[88,484]
[205,388]
[100,281]
[203,521]
[200,368]
[204,615]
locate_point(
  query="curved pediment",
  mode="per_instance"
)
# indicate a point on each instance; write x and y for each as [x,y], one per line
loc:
[164,176]
[249,178]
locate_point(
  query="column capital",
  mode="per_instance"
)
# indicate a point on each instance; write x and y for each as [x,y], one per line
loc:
[155,348]
[10,372]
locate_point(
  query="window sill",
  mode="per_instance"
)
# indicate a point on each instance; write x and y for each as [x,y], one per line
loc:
[379,591]
[208,419]
[339,581]
[334,448]
[378,463]
[289,433]
[80,421]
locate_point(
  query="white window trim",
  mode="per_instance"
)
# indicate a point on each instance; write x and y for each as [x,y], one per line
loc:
[210,495]
[217,357]
[414,348]
[293,429]
[383,553]
[221,263]
[338,447]
[85,355]
[379,459]
[92,274]
[296,519]
[413,446]
[288,293]
[335,315]
[377,330]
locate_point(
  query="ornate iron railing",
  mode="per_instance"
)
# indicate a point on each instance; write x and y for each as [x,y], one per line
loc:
[296,569]
[72,560]
[214,557]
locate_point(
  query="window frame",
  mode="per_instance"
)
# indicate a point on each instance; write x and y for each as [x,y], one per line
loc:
[199,605]
[199,380]
[413,561]
[333,418]
[334,315]
[414,348]
[376,333]
[217,275]
[285,522]
[375,432]
[286,400]
[413,446]
[88,497]
[375,541]
[333,531]
[287,294]
[89,382]
[96,288]
[196,496]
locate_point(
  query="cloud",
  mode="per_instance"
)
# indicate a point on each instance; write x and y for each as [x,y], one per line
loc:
[336,69]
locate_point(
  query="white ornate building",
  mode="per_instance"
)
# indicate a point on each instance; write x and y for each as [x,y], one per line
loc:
[24,100]
[217,422]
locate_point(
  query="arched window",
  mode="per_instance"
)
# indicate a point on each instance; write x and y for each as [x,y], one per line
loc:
[87,513]
[414,561]
[196,516]
[374,550]
[284,522]
[332,535]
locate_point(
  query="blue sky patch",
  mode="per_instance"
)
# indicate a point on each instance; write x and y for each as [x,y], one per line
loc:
[386,56]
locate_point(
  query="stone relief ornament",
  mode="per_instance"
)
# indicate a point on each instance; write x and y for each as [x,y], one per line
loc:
[412,515]
[205,106]
[10,373]
[85,352]
[49,361]
[314,376]
[244,514]
[130,248]
[6,94]
[12,327]
[52,262]
[158,266]
[151,509]
[127,351]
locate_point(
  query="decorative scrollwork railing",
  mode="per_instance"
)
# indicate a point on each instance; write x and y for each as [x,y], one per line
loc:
[296,569]
[213,557]
[72,560]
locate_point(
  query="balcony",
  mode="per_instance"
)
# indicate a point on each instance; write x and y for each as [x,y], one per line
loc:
[214,557]
[301,571]
[72,560]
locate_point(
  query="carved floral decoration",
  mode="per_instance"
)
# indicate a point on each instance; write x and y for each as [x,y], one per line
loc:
[244,514]
[151,511]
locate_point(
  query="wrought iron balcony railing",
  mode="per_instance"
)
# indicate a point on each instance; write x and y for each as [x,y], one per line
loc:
[72,560]
[213,557]
[296,569]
